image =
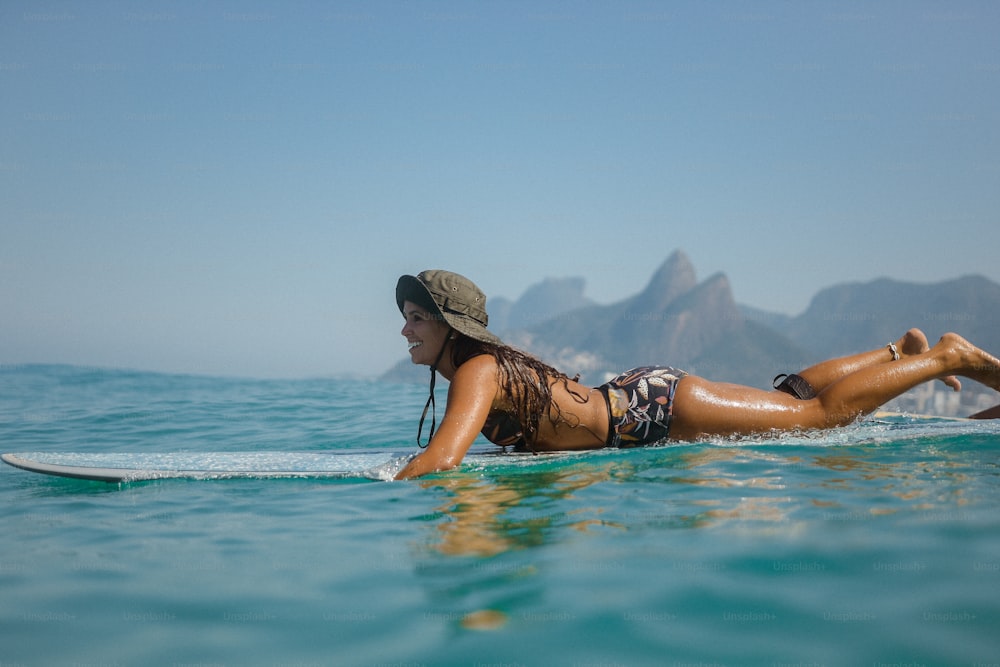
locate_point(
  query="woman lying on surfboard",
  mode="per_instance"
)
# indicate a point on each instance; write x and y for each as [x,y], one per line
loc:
[517,400]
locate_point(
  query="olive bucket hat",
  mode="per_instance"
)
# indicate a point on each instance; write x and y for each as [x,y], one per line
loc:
[456,300]
[453,297]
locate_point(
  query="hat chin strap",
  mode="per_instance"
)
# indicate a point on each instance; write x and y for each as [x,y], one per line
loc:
[431,403]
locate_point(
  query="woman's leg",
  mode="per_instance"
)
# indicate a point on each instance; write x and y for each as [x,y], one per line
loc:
[825,373]
[703,408]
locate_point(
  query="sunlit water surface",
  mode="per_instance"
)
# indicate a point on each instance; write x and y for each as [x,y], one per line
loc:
[876,544]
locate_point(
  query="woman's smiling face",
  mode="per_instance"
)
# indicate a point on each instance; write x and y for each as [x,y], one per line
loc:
[425,332]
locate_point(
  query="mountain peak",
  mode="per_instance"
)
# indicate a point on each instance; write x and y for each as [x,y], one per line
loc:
[676,276]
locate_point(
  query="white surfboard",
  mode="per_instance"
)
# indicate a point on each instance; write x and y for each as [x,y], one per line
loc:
[132,467]
[383,464]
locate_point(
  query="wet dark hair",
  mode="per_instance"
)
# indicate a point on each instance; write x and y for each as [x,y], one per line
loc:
[526,380]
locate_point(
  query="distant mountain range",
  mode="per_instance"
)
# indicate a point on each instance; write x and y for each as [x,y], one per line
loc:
[698,326]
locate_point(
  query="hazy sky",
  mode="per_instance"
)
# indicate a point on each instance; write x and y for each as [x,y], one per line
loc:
[233,188]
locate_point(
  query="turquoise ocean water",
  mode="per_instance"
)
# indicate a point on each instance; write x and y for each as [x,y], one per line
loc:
[877,544]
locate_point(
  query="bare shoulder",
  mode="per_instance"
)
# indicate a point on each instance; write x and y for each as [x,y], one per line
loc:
[475,383]
[475,380]
[480,368]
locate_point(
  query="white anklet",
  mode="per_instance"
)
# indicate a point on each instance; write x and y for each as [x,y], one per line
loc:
[894,351]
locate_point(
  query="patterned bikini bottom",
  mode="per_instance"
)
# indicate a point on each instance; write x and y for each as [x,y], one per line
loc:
[641,405]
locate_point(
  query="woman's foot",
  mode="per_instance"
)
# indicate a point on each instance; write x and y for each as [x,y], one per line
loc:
[972,362]
[914,342]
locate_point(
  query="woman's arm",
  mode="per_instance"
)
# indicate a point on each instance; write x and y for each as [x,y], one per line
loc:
[471,395]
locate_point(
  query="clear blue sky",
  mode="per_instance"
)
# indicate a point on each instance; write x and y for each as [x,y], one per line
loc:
[233,188]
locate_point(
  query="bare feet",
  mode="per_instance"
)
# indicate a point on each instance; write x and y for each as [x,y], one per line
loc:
[972,362]
[914,342]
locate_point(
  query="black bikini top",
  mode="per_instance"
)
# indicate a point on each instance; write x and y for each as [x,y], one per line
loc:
[504,429]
